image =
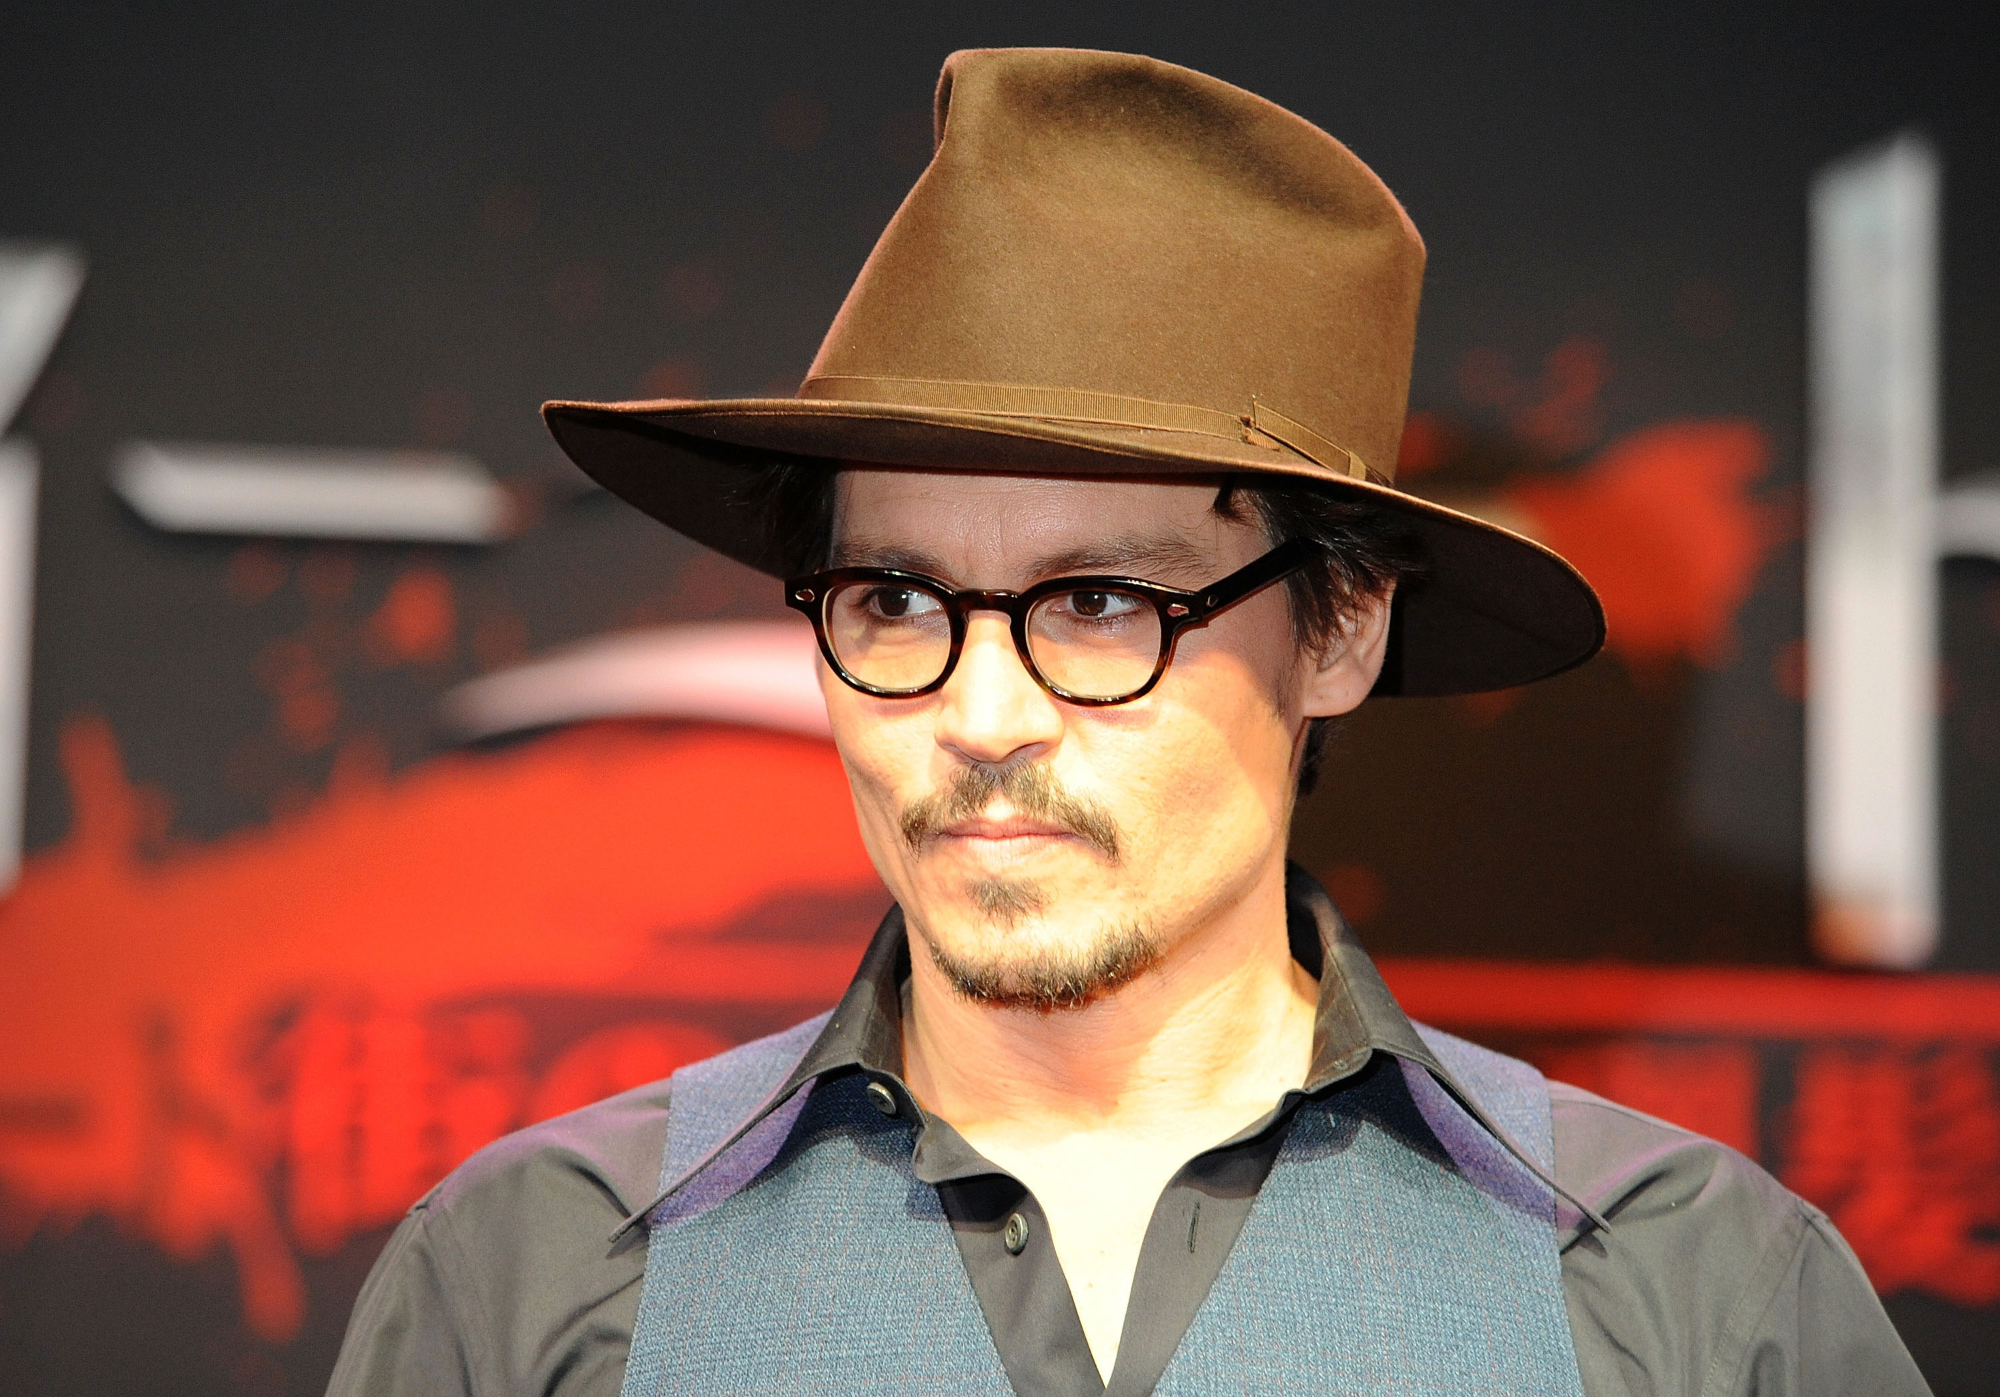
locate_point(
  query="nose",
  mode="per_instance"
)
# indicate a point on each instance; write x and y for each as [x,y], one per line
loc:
[993,709]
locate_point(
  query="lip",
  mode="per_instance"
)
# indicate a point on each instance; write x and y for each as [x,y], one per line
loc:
[1014,827]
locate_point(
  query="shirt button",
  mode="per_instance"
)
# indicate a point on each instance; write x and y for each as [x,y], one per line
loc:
[1016,1235]
[882,1099]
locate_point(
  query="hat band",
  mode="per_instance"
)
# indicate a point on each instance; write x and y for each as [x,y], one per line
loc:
[1262,425]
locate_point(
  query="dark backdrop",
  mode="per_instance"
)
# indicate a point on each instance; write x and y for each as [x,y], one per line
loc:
[381,225]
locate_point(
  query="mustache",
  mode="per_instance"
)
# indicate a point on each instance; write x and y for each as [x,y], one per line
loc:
[1031,789]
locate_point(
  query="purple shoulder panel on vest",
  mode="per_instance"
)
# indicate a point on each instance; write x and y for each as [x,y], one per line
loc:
[722,1128]
[1515,1095]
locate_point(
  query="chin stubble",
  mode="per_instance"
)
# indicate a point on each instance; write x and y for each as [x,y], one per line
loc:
[1052,980]
[1007,900]
[1048,980]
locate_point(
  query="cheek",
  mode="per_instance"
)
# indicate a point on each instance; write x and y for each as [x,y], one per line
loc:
[1266,647]
[885,754]
[1209,775]
[1244,691]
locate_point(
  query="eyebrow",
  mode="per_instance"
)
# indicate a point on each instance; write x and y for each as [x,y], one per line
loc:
[1140,555]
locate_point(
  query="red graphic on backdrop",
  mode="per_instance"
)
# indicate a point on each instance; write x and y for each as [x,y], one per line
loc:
[368,991]
[1902,1149]
[1663,525]
[1709,1087]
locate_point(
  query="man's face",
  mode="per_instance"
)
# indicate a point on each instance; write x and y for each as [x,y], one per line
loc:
[1045,852]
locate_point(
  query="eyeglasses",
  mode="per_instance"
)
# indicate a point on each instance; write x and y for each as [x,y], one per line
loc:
[1087,640]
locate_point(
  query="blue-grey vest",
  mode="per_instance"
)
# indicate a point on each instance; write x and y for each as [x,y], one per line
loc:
[806,1256]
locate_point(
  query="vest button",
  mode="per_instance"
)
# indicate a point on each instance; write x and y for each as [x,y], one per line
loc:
[882,1099]
[1016,1236]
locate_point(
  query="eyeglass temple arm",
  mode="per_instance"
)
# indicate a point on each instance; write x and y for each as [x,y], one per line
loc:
[1245,581]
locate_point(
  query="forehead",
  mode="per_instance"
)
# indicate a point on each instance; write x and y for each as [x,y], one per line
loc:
[965,523]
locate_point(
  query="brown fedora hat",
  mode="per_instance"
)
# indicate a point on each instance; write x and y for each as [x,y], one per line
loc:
[1117,266]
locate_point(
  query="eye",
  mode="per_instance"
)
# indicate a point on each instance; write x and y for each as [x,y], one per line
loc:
[899,603]
[1100,606]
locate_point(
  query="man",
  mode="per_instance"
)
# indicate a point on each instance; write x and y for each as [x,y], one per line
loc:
[1088,498]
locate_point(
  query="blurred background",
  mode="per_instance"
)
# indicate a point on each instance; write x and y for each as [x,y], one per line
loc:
[301,921]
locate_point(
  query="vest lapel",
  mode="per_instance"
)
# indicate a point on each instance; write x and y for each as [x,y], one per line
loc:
[1396,1247]
[835,1270]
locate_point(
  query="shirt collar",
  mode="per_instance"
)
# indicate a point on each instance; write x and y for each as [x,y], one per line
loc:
[1356,1017]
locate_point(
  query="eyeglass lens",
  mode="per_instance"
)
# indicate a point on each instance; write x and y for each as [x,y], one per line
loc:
[896,637]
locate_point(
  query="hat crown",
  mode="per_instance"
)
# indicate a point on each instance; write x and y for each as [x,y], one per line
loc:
[1110,224]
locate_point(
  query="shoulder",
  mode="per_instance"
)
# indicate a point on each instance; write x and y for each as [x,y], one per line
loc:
[506,1276]
[1627,1164]
[502,1278]
[604,1157]
[604,1160]
[1712,1275]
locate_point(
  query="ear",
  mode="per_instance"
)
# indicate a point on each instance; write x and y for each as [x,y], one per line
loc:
[1346,672]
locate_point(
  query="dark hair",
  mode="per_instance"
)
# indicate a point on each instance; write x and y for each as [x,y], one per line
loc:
[1360,550]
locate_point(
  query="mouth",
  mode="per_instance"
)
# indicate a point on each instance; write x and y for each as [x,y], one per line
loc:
[1016,830]
[1000,837]
[1008,812]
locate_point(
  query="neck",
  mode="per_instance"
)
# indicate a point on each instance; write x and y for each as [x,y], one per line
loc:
[1220,1028]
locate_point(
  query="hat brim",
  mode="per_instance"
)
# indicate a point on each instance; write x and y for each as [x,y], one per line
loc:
[1494,609]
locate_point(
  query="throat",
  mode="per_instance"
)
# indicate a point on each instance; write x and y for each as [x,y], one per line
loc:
[1111,1222]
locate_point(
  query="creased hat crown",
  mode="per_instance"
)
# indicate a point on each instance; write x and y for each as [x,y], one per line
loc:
[1114,224]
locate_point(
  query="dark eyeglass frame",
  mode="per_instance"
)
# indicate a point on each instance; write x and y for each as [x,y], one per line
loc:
[1178,612]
